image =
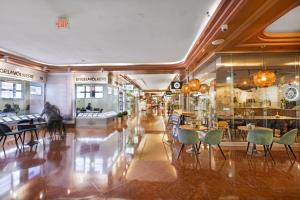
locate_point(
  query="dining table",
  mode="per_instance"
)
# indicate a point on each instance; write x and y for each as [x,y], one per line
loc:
[193,127]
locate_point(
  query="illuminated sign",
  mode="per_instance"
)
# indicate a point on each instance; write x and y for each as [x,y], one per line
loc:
[176,85]
[291,92]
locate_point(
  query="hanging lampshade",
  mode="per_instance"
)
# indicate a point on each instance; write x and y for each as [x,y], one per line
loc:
[194,85]
[203,88]
[245,85]
[264,78]
[185,89]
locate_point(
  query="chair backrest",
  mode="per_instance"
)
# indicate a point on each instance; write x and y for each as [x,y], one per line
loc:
[262,136]
[23,127]
[213,137]
[223,124]
[174,119]
[188,136]
[289,137]
[4,128]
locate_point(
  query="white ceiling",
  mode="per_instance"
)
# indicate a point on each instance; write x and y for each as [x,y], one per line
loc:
[288,23]
[152,81]
[103,31]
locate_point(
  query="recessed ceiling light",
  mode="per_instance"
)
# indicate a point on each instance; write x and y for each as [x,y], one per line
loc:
[217,42]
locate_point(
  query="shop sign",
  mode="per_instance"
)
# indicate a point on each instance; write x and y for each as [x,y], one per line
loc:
[89,78]
[291,92]
[176,85]
[17,72]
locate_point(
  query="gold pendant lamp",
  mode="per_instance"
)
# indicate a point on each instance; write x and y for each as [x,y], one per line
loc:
[194,85]
[203,88]
[264,78]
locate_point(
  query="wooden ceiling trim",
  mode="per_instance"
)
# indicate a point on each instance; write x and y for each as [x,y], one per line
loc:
[225,11]
[247,20]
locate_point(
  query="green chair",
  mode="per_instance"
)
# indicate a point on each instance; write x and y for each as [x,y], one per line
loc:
[287,140]
[260,136]
[188,137]
[213,137]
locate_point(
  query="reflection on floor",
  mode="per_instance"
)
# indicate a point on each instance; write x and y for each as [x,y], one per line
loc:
[129,161]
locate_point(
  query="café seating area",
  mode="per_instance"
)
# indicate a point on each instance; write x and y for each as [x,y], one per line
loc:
[189,132]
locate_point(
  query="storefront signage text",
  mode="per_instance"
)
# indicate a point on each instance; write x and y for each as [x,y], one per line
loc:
[16,73]
[101,77]
[23,73]
[78,79]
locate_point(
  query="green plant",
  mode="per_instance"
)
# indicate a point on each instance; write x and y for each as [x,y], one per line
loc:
[125,113]
[120,114]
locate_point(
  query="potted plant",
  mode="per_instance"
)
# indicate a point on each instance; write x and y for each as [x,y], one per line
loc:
[120,115]
[125,115]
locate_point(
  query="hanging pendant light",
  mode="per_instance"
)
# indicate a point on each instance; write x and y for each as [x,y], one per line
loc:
[194,85]
[185,89]
[245,85]
[203,88]
[264,78]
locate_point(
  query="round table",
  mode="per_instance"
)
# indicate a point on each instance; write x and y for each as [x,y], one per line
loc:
[194,128]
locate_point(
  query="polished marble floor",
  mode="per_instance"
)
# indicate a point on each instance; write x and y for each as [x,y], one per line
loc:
[130,161]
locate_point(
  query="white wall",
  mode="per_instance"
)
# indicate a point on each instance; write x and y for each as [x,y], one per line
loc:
[59,91]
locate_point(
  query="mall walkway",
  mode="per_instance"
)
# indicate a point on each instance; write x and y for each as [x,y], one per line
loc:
[130,161]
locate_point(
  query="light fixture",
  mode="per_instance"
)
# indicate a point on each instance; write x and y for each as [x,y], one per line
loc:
[217,42]
[185,89]
[194,85]
[228,78]
[245,85]
[203,88]
[265,78]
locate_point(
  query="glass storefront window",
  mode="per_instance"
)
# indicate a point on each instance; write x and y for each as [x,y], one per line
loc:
[240,102]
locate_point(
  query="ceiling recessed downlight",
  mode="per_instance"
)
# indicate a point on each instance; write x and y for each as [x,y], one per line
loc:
[217,42]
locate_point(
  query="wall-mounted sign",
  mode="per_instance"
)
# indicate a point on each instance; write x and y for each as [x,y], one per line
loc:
[176,85]
[291,92]
[89,78]
[17,72]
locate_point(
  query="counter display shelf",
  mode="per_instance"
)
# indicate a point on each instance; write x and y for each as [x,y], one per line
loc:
[14,119]
[95,120]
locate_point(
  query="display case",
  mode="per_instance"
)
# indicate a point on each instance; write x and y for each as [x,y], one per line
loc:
[95,119]
[14,119]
